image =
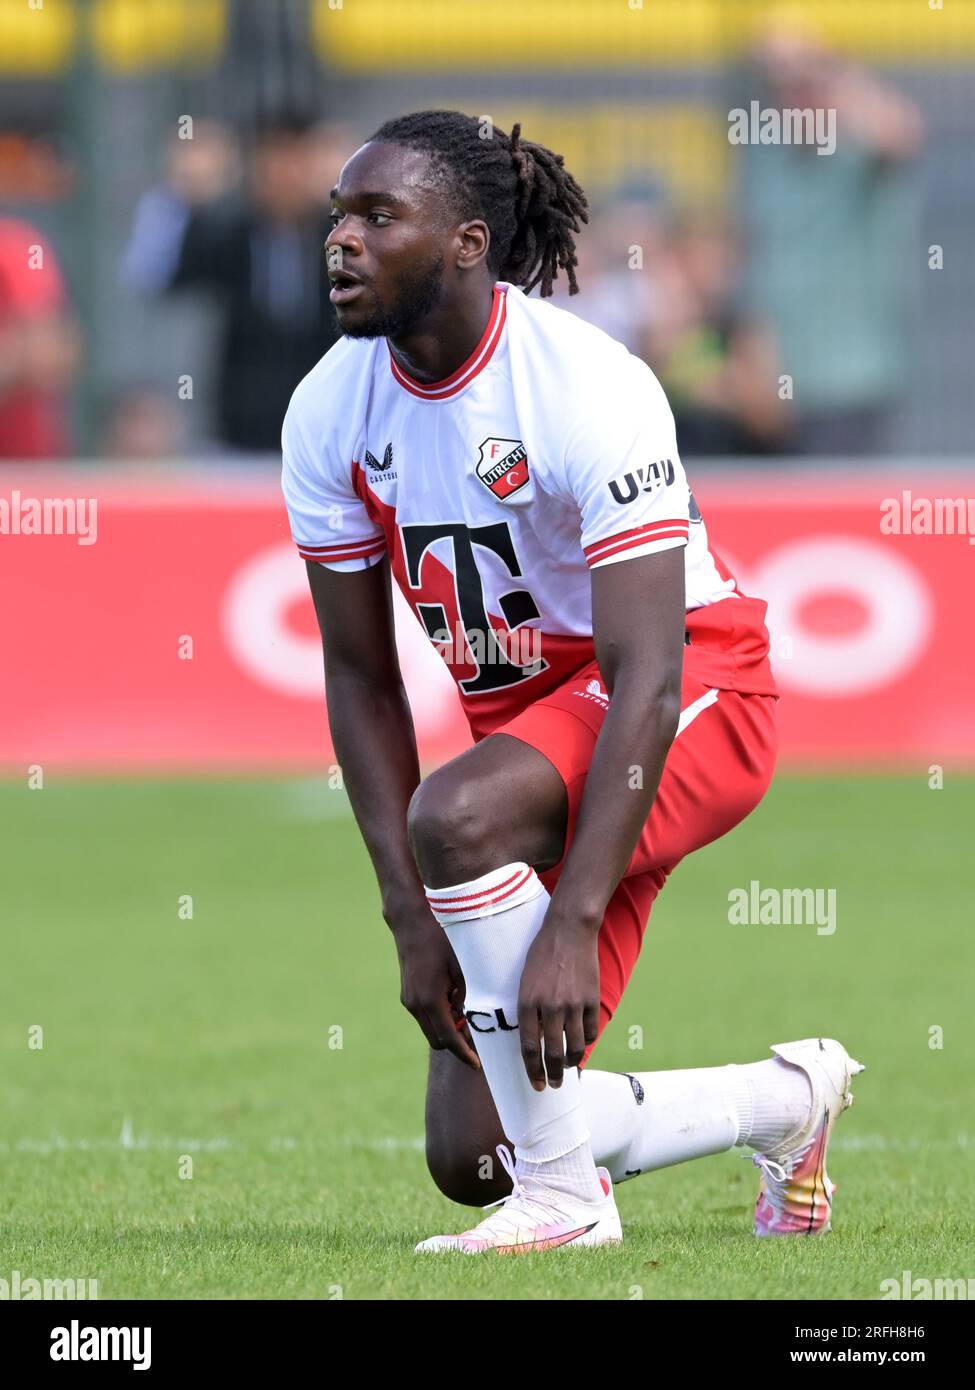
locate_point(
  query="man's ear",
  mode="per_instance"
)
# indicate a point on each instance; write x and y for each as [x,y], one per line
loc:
[474,240]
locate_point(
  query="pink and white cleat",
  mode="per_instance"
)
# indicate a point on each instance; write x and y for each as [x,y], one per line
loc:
[533,1217]
[795,1196]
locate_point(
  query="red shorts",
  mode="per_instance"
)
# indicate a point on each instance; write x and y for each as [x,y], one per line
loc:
[717,770]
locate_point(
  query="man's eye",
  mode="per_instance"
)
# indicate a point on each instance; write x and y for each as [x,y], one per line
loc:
[381,219]
[335,217]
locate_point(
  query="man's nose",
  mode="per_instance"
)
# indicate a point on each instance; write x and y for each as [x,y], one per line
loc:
[342,239]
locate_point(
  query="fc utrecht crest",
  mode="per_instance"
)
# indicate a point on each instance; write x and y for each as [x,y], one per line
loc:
[503,466]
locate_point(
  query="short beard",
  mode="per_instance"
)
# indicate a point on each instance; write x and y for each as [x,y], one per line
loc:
[417,297]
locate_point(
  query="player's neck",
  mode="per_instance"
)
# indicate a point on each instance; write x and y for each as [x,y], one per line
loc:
[446,339]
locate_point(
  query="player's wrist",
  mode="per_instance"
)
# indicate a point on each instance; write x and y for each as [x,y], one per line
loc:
[568,913]
[406,909]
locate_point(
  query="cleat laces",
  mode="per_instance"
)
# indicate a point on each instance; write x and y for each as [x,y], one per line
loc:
[527,1205]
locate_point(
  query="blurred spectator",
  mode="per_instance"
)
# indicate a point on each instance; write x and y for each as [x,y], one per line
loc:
[142,424]
[828,257]
[718,364]
[669,294]
[261,253]
[39,347]
[619,285]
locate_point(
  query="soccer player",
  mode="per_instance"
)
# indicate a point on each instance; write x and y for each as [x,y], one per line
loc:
[516,471]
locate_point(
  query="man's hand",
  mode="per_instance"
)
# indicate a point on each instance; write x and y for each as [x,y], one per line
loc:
[559,995]
[432,986]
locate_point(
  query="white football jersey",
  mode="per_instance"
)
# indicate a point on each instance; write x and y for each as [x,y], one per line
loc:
[550,452]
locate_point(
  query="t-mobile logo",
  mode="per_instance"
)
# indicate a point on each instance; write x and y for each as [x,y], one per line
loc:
[517,605]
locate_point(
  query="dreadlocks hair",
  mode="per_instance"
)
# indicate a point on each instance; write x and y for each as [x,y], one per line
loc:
[531,203]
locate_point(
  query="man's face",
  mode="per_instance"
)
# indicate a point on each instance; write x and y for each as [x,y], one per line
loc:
[386,250]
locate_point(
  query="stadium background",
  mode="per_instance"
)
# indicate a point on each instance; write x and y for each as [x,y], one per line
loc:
[180,646]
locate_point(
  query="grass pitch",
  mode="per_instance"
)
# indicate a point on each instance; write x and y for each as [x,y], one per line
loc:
[260,1047]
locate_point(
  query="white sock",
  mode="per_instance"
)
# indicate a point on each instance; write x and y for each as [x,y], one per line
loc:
[781,1097]
[657,1118]
[491,923]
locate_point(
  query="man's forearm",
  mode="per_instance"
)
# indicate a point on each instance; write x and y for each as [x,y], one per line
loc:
[372,730]
[626,767]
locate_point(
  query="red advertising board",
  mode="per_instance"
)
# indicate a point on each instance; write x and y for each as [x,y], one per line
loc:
[170,627]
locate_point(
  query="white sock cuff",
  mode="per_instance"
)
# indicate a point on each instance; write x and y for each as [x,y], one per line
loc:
[482,897]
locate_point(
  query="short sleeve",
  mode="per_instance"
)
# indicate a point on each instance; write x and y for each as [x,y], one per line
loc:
[624,472]
[329,522]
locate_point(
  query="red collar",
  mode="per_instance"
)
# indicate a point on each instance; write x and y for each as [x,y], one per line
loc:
[467,371]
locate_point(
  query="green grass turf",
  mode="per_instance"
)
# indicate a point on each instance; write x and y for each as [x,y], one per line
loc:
[211,1038]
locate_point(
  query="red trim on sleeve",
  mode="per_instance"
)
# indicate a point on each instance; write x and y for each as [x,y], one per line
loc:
[674,528]
[344,550]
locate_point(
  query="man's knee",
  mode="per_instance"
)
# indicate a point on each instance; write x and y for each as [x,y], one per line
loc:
[465,1176]
[463,1132]
[448,825]
[463,820]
